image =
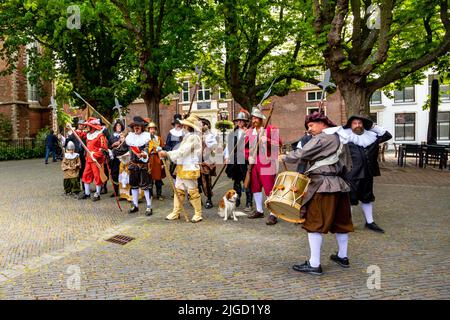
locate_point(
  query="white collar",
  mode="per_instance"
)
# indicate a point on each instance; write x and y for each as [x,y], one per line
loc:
[176,132]
[137,140]
[363,140]
[92,136]
[70,156]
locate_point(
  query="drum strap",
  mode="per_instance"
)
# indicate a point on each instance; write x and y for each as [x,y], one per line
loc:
[334,158]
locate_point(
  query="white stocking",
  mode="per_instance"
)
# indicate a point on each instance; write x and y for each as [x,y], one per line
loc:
[315,242]
[148,198]
[135,194]
[258,201]
[87,189]
[342,240]
[367,209]
[98,189]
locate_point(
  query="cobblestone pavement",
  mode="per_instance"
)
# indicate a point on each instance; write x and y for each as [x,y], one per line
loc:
[216,259]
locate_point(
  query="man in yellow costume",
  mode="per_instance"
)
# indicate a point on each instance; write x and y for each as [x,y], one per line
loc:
[187,158]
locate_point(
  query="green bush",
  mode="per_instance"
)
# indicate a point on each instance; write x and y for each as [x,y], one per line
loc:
[5,127]
[8,152]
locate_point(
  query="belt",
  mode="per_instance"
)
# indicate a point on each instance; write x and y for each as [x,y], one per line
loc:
[329,174]
[138,164]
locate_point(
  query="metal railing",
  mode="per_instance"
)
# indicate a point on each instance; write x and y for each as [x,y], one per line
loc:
[23,148]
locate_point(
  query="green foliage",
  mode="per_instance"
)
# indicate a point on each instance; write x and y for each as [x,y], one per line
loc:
[5,127]
[28,150]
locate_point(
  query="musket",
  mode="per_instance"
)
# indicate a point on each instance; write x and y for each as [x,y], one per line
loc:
[197,84]
[103,176]
[250,166]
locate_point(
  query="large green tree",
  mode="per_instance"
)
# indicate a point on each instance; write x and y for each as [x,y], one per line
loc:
[162,36]
[257,42]
[369,45]
[93,57]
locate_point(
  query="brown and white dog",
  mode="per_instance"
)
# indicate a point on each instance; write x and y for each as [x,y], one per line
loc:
[227,206]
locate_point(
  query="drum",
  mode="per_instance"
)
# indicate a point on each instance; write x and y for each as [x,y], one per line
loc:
[285,199]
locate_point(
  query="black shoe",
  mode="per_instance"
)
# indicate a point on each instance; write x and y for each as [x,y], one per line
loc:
[343,262]
[148,212]
[133,209]
[112,195]
[208,204]
[104,191]
[255,215]
[46,162]
[83,196]
[271,220]
[306,268]
[373,226]
[96,197]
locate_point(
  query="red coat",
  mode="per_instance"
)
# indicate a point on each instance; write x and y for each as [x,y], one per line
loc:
[95,142]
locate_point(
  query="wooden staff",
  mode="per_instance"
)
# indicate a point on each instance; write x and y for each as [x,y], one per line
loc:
[197,84]
[250,166]
[166,168]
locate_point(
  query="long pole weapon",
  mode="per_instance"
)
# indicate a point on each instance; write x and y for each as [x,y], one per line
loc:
[90,106]
[197,84]
[325,84]
[250,166]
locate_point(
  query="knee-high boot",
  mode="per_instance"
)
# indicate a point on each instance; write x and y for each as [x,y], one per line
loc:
[175,214]
[195,200]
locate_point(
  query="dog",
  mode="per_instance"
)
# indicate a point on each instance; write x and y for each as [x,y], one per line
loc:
[227,206]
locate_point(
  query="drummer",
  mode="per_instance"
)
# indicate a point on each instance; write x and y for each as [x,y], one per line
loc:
[327,197]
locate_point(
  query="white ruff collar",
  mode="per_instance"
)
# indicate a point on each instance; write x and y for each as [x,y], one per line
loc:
[176,133]
[364,140]
[92,136]
[137,140]
[71,156]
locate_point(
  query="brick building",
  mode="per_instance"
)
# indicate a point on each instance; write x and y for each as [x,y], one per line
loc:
[21,102]
[288,115]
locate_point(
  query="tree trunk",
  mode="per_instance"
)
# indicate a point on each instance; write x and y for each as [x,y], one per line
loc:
[432,120]
[356,98]
[152,104]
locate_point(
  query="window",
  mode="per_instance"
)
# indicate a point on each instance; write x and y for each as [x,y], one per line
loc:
[374,117]
[405,95]
[314,96]
[444,89]
[443,126]
[310,110]
[204,94]
[405,126]
[222,94]
[376,97]
[33,91]
[185,92]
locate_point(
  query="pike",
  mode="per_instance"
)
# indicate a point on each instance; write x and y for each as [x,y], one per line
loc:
[90,106]
[197,84]
[324,85]
[118,107]
[248,175]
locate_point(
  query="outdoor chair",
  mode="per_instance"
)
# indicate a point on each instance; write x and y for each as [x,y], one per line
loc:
[409,151]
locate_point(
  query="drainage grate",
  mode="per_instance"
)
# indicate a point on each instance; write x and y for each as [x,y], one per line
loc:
[120,239]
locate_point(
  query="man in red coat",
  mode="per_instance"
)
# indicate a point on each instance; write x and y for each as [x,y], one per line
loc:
[96,143]
[264,157]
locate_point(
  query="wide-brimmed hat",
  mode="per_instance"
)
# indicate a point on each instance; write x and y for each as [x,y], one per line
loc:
[367,123]
[93,123]
[152,125]
[176,118]
[192,121]
[318,117]
[138,121]
[242,115]
[256,112]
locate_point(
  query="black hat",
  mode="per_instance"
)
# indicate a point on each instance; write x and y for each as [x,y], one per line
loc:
[176,118]
[206,121]
[318,117]
[138,121]
[367,123]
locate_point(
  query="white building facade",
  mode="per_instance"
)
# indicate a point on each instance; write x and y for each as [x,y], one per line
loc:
[403,116]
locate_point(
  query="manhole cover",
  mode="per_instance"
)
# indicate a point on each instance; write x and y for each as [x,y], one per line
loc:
[120,239]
